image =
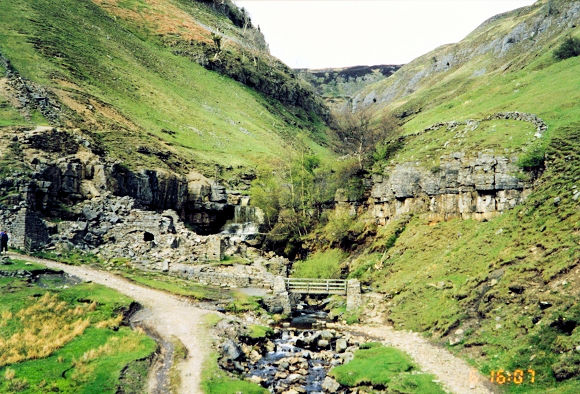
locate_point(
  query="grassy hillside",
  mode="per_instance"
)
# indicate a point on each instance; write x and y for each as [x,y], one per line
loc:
[503,293]
[122,82]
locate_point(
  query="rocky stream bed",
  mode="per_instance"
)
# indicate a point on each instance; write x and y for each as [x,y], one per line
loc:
[294,357]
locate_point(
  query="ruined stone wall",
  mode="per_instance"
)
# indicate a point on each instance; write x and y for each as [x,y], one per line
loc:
[226,276]
[27,230]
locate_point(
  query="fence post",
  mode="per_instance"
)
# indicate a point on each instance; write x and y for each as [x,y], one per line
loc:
[353,295]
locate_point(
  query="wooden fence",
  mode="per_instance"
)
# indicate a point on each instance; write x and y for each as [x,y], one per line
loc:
[315,286]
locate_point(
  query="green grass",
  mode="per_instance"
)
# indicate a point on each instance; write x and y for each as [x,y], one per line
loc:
[458,274]
[504,137]
[324,264]
[256,331]
[179,354]
[102,374]
[92,361]
[20,265]
[243,303]
[71,257]
[175,285]
[210,118]
[380,366]
[216,381]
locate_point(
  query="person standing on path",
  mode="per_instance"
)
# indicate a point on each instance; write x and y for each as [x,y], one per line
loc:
[3,241]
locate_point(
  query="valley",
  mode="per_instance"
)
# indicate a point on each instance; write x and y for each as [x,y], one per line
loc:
[168,186]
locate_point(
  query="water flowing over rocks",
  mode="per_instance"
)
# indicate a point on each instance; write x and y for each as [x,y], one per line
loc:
[287,359]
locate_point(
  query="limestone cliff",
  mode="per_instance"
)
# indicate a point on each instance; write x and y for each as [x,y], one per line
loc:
[462,186]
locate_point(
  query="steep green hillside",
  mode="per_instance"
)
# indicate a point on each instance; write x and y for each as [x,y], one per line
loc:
[111,68]
[502,292]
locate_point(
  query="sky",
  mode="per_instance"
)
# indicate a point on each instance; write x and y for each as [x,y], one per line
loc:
[341,33]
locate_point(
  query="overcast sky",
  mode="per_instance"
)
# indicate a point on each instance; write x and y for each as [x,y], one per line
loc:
[339,33]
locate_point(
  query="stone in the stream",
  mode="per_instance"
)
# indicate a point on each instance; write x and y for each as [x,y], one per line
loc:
[347,356]
[280,375]
[294,378]
[256,379]
[341,345]
[231,351]
[330,385]
[255,356]
[323,343]
[283,365]
[326,334]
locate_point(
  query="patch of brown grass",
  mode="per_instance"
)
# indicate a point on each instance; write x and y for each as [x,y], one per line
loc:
[161,17]
[46,326]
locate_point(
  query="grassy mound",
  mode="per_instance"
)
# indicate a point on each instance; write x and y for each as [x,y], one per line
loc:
[67,338]
[384,367]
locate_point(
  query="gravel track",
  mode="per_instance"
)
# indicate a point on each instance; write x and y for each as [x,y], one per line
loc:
[454,374]
[170,316]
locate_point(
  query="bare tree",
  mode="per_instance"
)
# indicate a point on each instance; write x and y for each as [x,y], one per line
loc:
[362,129]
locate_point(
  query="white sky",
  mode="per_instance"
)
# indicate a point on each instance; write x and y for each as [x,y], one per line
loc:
[339,33]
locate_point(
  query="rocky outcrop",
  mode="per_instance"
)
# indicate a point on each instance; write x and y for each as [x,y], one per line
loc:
[462,186]
[510,37]
[57,175]
[66,168]
[338,85]
[30,96]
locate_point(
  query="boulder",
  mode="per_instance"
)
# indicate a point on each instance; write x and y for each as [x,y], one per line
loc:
[341,345]
[330,385]
[231,350]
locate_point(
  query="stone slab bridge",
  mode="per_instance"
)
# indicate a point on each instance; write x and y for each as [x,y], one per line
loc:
[283,287]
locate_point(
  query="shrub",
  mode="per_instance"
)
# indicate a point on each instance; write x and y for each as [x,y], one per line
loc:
[325,264]
[533,157]
[569,48]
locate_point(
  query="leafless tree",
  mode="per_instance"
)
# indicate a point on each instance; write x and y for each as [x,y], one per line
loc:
[360,130]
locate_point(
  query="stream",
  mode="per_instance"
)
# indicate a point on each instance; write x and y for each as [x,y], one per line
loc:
[296,357]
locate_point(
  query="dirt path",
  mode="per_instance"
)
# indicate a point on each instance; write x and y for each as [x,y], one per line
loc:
[171,316]
[168,315]
[453,373]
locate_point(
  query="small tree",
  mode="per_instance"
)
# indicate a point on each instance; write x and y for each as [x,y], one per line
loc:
[362,129]
[569,48]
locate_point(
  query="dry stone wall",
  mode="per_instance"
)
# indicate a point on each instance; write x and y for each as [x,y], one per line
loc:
[26,229]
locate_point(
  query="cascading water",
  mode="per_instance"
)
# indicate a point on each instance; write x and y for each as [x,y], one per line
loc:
[288,352]
[245,224]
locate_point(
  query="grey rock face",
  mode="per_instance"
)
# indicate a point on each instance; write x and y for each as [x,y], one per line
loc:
[231,350]
[469,187]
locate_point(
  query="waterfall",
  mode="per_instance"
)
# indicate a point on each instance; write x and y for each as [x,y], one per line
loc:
[245,224]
